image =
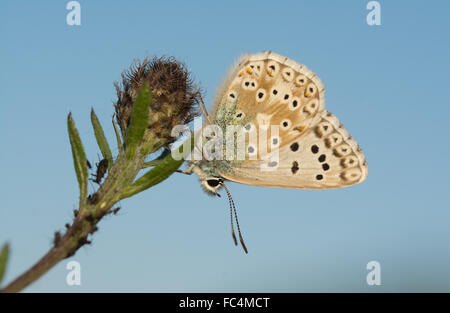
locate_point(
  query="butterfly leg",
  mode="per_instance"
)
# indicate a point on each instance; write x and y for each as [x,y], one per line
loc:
[187,171]
[184,172]
[203,108]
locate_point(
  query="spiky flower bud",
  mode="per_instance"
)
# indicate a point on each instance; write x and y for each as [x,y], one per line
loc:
[173,96]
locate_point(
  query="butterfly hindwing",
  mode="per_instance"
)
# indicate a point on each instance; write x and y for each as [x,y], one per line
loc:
[314,149]
[322,157]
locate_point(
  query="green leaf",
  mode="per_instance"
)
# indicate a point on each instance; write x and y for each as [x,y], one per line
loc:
[118,138]
[163,169]
[164,153]
[139,121]
[101,139]
[79,158]
[3,260]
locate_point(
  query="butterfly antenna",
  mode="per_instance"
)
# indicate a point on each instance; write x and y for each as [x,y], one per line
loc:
[233,208]
[231,216]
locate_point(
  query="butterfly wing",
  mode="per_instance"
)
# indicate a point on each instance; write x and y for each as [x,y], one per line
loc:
[310,148]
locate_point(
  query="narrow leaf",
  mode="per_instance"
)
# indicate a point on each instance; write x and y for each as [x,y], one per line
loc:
[79,158]
[163,169]
[101,139]
[3,260]
[118,138]
[164,153]
[139,121]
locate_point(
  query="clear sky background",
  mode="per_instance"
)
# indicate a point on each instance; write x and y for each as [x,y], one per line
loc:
[388,84]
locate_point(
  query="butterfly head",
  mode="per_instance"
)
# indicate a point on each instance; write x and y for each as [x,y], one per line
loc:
[212,184]
[209,180]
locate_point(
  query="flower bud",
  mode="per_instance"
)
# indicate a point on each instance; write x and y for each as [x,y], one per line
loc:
[173,96]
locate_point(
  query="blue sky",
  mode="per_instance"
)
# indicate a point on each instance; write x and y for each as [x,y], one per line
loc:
[386,83]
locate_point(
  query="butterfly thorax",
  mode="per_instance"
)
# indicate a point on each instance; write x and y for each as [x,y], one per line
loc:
[213,149]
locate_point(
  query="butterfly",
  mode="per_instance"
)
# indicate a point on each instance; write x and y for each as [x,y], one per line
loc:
[304,146]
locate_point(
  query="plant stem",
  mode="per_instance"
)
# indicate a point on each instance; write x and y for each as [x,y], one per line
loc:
[51,258]
[122,174]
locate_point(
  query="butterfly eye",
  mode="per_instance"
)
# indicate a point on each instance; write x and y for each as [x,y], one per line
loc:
[287,74]
[213,182]
[294,103]
[260,95]
[300,80]
[285,124]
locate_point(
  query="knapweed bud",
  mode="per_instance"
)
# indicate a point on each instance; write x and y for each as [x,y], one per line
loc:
[174,96]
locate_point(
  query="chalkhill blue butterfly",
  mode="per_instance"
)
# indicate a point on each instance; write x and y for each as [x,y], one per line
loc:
[281,134]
